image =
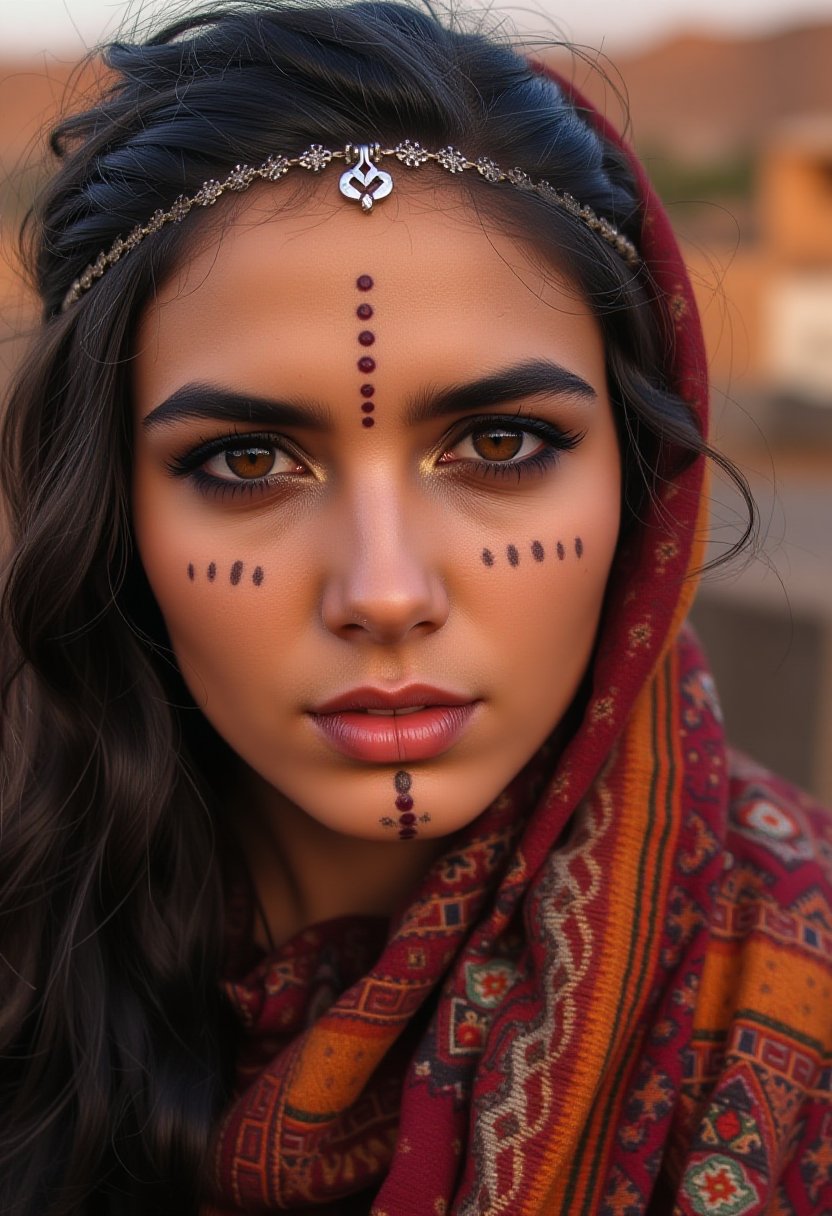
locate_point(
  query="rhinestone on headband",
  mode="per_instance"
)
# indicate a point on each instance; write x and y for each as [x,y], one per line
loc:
[363,182]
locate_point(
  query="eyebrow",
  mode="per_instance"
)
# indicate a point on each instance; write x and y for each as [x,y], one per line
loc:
[532,378]
[224,405]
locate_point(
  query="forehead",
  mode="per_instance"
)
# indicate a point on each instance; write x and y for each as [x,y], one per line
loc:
[279,289]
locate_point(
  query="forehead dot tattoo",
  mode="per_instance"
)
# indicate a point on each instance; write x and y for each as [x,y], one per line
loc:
[561,552]
[512,555]
[579,547]
[212,572]
[487,557]
[366,337]
[537,551]
[257,576]
[236,573]
[191,571]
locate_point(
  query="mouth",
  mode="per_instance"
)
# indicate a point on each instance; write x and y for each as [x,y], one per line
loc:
[383,733]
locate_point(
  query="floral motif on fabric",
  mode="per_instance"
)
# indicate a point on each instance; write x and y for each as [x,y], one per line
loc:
[650,1100]
[622,1198]
[700,848]
[700,696]
[487,983]
[779,829]
[816,1165]
[719,1186]
[684,919]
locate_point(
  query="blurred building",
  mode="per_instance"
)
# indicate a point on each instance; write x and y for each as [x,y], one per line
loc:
[769,632]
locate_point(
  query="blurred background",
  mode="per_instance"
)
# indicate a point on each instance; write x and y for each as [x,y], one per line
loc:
[730,107]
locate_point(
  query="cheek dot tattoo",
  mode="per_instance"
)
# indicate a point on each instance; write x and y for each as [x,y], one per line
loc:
[364,311]
[366,337]
[363,282]
[367,390]
[366,364]
[537,552]
[258,574]
[368,421]
[367,407]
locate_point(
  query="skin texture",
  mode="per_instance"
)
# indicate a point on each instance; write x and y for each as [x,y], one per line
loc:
[370,540]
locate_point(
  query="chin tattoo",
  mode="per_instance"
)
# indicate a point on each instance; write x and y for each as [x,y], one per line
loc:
[407,817]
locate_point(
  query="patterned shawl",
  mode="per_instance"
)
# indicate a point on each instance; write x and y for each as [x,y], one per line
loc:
[612,994]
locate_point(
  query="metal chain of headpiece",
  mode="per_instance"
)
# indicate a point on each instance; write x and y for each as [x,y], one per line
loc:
[363,181]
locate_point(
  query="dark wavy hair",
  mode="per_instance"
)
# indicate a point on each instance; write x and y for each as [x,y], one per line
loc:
[113,1036]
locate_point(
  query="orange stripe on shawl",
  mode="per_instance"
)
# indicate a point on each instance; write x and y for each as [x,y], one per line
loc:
[645,788]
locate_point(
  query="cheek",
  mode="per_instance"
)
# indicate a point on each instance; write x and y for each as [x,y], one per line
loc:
[543,588]
[213,592]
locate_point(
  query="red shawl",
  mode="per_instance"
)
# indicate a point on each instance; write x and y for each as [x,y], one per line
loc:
[612,994]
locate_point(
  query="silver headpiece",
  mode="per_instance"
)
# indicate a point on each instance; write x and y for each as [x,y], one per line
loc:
[363,181]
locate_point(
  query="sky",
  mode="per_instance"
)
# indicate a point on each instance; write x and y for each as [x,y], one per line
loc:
[72,25]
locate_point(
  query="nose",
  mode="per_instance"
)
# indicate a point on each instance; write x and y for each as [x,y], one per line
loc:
[384,582]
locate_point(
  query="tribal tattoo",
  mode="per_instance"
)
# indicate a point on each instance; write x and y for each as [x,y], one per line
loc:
[537,551]
[408,818]
[236,573]
[366,337]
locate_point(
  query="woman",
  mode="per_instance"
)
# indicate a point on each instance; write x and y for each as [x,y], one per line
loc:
[370,839]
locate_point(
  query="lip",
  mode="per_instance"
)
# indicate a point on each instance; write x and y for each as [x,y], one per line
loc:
[418,736]
[401,698]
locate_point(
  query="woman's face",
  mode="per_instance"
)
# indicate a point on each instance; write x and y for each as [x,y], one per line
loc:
[376,465]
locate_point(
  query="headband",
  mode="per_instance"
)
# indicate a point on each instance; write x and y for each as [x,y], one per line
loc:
[363,182]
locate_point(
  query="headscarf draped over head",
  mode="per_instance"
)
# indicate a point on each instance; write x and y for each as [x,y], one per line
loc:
[611,995]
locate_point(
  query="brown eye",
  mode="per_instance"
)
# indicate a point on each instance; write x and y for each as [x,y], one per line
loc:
[497,444]
[250,463]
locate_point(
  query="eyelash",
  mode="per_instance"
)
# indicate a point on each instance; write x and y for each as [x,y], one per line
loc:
[558,440]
